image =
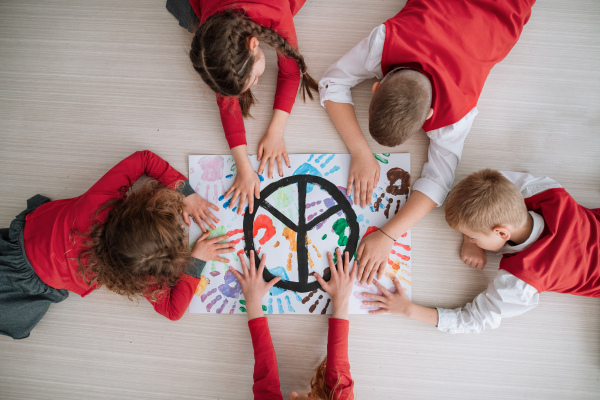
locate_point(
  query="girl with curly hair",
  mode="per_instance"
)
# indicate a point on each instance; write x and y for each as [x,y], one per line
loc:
[226,52]
[131,241]
[332,380]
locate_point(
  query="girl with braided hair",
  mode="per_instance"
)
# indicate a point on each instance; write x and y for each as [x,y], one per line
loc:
[133,243]
[226,53]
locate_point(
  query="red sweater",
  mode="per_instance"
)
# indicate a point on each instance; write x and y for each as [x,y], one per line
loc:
[52,249]
[266,375]
[273,14]
[566,257]
[455,43]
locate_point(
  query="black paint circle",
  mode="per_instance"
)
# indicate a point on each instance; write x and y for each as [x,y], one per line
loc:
[302,228]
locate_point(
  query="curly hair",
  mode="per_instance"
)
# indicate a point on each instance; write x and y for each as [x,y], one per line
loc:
[318,385]
[220,54]
[139,249]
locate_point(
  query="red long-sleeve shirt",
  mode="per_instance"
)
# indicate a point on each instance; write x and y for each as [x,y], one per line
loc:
[273,14]
[266,374]
[52,248]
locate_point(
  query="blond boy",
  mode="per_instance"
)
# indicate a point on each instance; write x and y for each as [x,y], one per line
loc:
[548,241]
[431,61]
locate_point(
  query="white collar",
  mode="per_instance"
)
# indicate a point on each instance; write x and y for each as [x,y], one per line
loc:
[536,232]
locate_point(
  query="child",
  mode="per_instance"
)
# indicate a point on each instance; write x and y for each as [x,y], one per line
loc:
[432,58]
[548,241]
[227,55]
[332,379]
[134,244]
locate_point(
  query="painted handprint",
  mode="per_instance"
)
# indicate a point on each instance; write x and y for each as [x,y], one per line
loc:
[211,178]
[398,184]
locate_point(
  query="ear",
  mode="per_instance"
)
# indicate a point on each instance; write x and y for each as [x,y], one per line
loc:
[503,232]
[429,114]
[375,87]
[253,43]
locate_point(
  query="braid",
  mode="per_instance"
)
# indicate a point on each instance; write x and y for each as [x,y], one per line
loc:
[220,54]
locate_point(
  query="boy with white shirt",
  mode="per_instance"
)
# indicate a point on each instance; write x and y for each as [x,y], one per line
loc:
[432,59]
[548,241]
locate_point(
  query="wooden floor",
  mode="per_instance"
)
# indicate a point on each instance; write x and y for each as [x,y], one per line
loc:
[84,84]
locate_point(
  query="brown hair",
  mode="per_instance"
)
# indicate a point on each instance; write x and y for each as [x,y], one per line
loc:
[399,107]
[318,385]
[139,249]
[484,200]
[220,54]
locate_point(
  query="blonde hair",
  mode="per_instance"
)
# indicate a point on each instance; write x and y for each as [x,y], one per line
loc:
[484,200]
[399,107]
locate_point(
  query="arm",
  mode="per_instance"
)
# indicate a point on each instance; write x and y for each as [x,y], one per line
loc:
[232,120]
[360,63]
[174,303]
[128,171]
[445,150]
[337,369]
[254,288]
[506,296]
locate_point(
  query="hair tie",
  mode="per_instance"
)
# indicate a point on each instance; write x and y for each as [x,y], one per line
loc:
[304,73]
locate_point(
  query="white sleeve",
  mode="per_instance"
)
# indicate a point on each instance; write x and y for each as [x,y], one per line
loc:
[444,153]
[362,62]
[530,185]
[506,296]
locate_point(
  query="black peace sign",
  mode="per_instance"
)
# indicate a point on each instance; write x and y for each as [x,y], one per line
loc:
[302,228]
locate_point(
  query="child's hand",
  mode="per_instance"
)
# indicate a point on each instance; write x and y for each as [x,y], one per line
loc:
[271,148]
[388,302]
[198,208]
[363,176]
[471,254]
[373,253]
[340,285]
[246,186]
[209,249]
[253,285]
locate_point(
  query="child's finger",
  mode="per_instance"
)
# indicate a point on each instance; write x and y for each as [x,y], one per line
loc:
[332,266]
[236,273]
[357,192]
[259,152]
[242,204]
[373,296]
[234,198]
[372,274]
[346,263]
[243,262]
[349,186]
[214,207]
[382,288]
[186,219]
[273,281]
[366,272]
[399,288]
[257,190]
[376,181]
[353,273]
[374,304]
[261,266]
[221,259]
[219,238]
[322,282]
[224,250]
[252,261]
[363,193]
[250,204]
[270,167]
[205,220]
[287,160]
[279,165]
[369,193]
[380,311]
[340,261]
[229,191]
[211,216]
[204,236]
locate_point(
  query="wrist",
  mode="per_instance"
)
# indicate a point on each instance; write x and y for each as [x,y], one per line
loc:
[340,308]
[254,309]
